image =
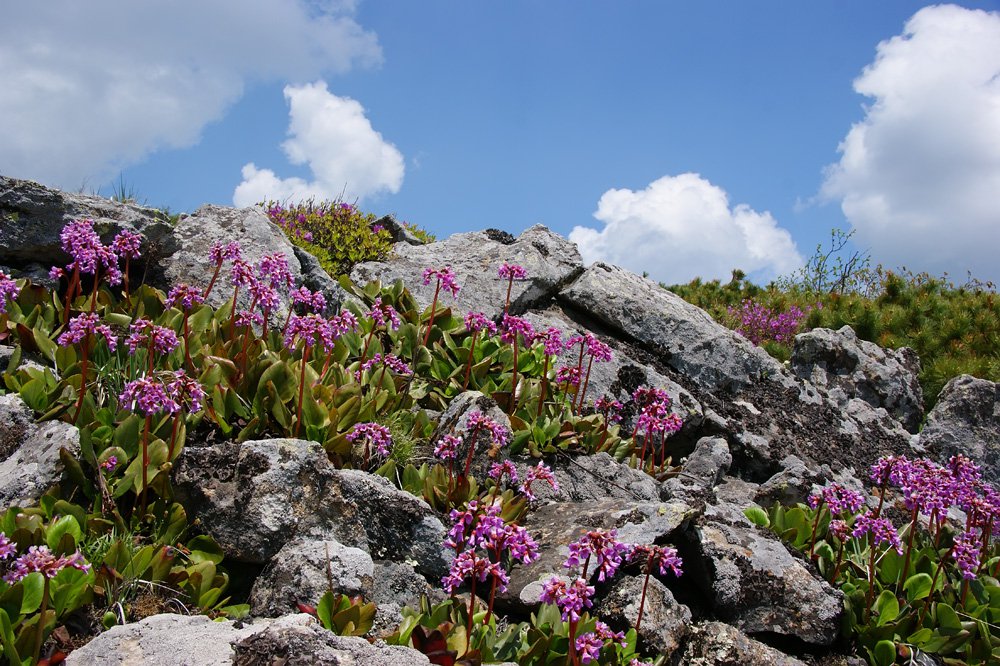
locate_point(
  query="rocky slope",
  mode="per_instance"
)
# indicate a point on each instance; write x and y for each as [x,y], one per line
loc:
[755,431]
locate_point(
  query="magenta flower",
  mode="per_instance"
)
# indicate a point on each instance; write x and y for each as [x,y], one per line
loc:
[148,396]
[477,422]
[447,447]
[512,272]
[42,560]
[7,547]
[511,327]
[839,529]
[597,349]
[309,329]
[158,339]
[611,409]
[8,290]
[185,391]
[273,269]
[477,321]
[966,553]
[241,274]
[86,324]
[838,498]
[390,361]
[372,434]
[127,244]
[541,472]
[605,633]
[568,374]
[219,252]
[313,302]
[571,599]
[185,295]
[664,558]
[248,319]
[588,647]
[601,547]
[444,276]
[551,339]
[498,470]
[109,464]
[467,565]
[880,529]
[343,323]
[384,314]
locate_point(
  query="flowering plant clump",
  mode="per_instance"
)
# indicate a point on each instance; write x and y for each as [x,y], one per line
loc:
[906,588]
[760,324]
[8,290]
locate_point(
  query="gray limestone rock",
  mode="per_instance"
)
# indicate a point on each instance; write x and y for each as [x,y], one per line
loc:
[550,260]
[258,237]
[299,640]
[682,336]
[664,621]
[29,452]
[718,644]
[255,497]
[754,583]
[592,478]
[32,216]
[165,640]
[966,420]
[887,378]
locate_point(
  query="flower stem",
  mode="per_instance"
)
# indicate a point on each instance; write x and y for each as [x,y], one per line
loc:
[145,464]
[302,386]
[812,541]
[41,620]
[468,366]
[430,323]
[83,377]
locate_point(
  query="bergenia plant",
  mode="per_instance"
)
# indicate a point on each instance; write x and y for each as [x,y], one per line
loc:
[512,328]
[81,330]
[446,280]
[511,272]
[474,323]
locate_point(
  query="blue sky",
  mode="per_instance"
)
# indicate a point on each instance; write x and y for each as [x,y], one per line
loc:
[703,135]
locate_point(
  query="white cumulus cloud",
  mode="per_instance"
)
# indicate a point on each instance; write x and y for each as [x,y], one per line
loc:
[336,140]
[682,227]
[919,176]
[90,87]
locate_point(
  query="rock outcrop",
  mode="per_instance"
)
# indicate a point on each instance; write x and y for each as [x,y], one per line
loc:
[966,420]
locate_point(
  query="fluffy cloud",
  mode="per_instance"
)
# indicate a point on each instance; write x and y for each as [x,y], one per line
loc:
[681,227]
[919,176]
[334,138]
[90,87]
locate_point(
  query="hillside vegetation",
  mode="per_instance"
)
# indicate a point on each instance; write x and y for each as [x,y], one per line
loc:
[954,328]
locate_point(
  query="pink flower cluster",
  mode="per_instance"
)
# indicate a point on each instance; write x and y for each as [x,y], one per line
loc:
[477,321]
[167,392]
[476,529]
[8,290]
[88,253]
[157,339]
[512,272]
[37,559]
[445,278]
[186,296]
[372,434]
[86,324]
[540,472]
[760,324]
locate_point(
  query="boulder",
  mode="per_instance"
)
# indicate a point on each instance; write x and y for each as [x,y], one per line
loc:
[258,237]
[664,621]
[753,582]
[165,640]
[718,644]
[400,232]
[966,420]
[554,526]
[29,452]
[255,497]
[887,378]
[299,640]
[32,216]
[593,478]
[551,261]
[680,335]
[701,471]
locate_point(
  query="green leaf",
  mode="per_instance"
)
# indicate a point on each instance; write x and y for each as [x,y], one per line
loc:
[884,653]
[917,586]
[65,525]
[204,549]
[757,516]
[33,585]
[947,619]
[7,637]
[325,609]
[887,607]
